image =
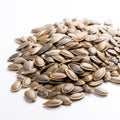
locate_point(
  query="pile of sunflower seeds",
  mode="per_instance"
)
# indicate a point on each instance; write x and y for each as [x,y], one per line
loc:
[62,62]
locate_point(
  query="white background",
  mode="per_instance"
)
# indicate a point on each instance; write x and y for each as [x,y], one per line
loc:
[17,18]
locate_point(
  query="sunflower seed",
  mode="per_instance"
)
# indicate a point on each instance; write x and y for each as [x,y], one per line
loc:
[115,79]
[57,76]
[14,67]
[77,96]
[16,86]
[71,74]
[99,73]
[100,91]
[66,100]
[67,87]
[87,66]
[30,95]
[53,103]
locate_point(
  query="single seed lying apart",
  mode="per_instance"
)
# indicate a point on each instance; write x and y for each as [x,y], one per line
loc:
[65,61]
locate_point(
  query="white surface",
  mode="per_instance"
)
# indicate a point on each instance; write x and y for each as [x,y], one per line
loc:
[17,18]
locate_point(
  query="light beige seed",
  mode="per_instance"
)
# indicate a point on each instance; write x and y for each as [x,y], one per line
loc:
[87,88]
[95,83]
[102,57]
[53,103]
[102,45]
[26,82]
[92,50]
[19,60]
[80,51]
[71,74]
[87,66]
[66,53]
[91,38]
[34,85]
[115,80]
[39,61]
[77,96]
[59,58]
[45,48]
[115,73]
[16,86]
[35,49]
[57,76]
[95,59]
[99,73]
[23,45]
[30,95]
[80,82]
[101,91]
[66,100]
[52,52]
[28,65]
[88,78]
[48,59]
[81,35]
[67,87]
[76,89]
[14,67]
[56,37]
[63,41]
[42,37]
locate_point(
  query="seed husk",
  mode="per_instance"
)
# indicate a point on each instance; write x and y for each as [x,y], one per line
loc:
[56,37]
[59,58]
[76,68]
[16,86]
[26,82]
[71,74]
[77,96]
[41,78]
[14,56]
[76,89]
[53,52]
[43,93]
[66,100]
[53,103]
[57,76]
[66,53]
[39,61]
[99,73]
[87,66]
[95,83]
[34,85]
[45,48]
[14,67]
[115,80]
[87,88]
[67,87]
[19,60]
[28,65]
[30,95]
[101,91]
